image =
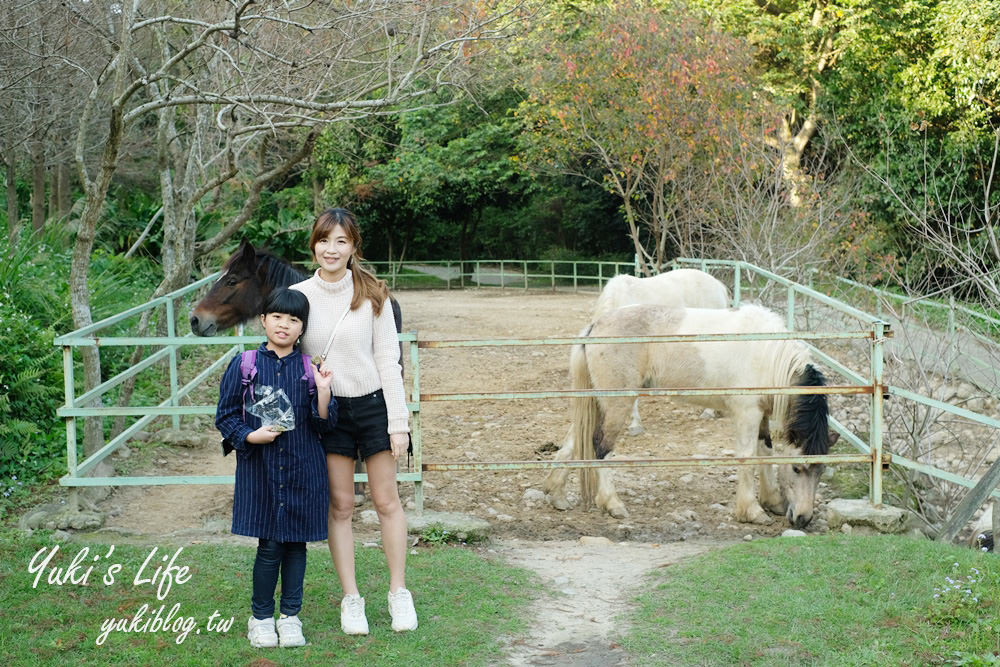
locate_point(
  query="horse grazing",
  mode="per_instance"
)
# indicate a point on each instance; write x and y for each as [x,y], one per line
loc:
[799,420]
[240,294]
[688,288]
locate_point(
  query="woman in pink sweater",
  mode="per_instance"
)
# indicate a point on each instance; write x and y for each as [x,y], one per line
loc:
[352,329]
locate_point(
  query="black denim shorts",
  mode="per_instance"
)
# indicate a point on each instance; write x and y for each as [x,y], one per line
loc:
[362,427]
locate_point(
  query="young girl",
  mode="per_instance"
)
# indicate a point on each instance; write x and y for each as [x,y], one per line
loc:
[352,318]
[281,488]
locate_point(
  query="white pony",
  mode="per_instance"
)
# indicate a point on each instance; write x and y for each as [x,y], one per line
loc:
[800,420]
[689,288]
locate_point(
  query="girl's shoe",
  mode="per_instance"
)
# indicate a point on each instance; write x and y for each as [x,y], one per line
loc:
[290,631]
[261,632]
[404,616]
[352,615]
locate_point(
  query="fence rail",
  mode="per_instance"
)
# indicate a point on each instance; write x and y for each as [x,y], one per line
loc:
[869,383]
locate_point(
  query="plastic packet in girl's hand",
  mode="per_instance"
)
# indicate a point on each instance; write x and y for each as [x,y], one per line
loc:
[273,409]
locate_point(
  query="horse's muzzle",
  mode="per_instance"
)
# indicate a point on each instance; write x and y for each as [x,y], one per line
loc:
[203,327]
[798,522]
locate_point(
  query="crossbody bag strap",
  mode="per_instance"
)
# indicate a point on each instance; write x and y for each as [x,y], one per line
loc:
[329,343]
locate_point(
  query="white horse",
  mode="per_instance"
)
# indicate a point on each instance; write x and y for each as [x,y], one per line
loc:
[800,420]
[688,288]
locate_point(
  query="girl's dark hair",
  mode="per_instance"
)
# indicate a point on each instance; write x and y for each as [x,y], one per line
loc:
[289,302]
[366,285]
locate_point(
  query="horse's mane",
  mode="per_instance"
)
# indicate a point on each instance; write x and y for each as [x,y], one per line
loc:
[278,272]
[806,426]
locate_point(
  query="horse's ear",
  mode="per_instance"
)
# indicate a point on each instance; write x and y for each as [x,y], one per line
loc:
[245,257]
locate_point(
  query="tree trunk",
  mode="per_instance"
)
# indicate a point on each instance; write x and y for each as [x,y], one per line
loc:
[96,193]
[64,201]
[13,215]
[37,185]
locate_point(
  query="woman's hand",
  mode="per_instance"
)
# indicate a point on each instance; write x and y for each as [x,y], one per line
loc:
[264,435]
[324,378]
[400,443]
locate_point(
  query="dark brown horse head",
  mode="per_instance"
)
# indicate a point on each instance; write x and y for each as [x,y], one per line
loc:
[248,277]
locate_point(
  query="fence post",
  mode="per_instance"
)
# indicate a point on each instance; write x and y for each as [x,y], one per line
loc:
[449,275]
[879,330]
[736,286]
[574,276]
[175,420]
[416,434]
[552,268]
[790,314]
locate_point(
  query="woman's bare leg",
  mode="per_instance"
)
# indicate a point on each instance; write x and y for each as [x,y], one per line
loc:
[341,534]
[385,497]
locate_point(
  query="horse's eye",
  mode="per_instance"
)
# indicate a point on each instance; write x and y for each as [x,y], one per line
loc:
[797,470]
[231,281]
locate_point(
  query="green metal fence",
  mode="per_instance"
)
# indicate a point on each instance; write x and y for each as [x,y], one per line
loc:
[870,382]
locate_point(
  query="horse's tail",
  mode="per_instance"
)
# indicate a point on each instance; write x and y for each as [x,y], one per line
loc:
[806,419]
[586,414]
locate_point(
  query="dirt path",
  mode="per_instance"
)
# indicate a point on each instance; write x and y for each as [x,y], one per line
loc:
[673,513]
[593,583]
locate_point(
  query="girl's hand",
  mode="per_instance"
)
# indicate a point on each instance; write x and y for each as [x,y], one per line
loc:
[324,378]
[400,442]
[262,436]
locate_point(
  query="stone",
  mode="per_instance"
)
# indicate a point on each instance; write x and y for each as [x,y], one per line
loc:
[595,540]
[791,532]
[369,517]
[57,516]
[473,528]
[858,512]
[748,537]
[533,497]
[185,438]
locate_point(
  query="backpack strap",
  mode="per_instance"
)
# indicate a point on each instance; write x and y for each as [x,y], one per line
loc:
[309,375]
[248,373]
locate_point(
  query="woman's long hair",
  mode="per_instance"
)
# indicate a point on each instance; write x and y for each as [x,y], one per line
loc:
[366,285]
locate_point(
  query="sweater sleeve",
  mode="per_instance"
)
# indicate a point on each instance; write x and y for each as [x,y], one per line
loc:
[385,347]
[229,412]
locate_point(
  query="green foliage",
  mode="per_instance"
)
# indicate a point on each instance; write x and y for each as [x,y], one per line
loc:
[282,222]
[436,535]
[34,309]
[448,183]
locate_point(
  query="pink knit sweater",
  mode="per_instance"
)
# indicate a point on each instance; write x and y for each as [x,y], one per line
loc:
[364,356]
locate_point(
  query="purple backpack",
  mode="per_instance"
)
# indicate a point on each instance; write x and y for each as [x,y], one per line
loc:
[248,373]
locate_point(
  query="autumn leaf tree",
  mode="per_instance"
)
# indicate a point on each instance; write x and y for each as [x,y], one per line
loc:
[638,99]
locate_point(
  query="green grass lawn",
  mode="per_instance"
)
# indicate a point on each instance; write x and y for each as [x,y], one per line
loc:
[466,605]
[822,600]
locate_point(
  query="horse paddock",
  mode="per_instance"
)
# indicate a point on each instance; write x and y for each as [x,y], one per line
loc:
[664,504]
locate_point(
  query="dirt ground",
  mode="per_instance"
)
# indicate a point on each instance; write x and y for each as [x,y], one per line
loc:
[673,513]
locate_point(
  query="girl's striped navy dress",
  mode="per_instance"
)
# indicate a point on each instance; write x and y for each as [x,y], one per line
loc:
[282,490]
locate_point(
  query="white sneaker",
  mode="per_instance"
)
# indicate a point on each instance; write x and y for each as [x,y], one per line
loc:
[290,631]
[352,615]
[261,632]
[404,616]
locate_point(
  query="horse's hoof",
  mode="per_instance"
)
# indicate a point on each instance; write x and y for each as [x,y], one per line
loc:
[636,430]
[359,499]
[763,519]
[618,512]
[560,504]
